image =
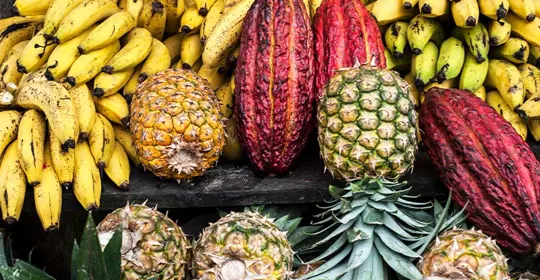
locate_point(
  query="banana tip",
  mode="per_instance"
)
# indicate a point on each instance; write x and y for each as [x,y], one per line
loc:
[186,66]
[83,136]
[419,84]
[69,144]
[471,21]
[128,98]
[142,77]
[521,114]
[67,185]
[53,228]
[493,42]
[426,9]
[98,92]
[416,51]
[48,75]
[125,121]
[107,69]
[407,6]
[21,68]
[10,220]
[501,13]
[15,11]
[70,80]
[80,49]
[92,207]
[34,184]
[531,17]
[398,55]
[125,186]
[185,29]
[203,11]
[157,7]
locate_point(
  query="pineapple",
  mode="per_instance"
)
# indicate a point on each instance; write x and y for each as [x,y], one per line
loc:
[367,124]
[242,246]
[176,124]
[464,254]
[153,246]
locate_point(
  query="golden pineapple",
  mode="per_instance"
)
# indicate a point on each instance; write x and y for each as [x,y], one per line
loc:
[176,124]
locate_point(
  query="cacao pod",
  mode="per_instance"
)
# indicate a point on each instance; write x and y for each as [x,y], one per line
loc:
[482,159]
[274,84]
[345,35]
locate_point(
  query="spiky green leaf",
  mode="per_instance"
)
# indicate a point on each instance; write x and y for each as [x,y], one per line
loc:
[353,215]
[281,222]
[336,232]
[292,225]
[372,268]
[91,259]
[372,216]
[383,206]
[74,260]
[360,253]
[301,234]
[360,231]
[359,202]
[332,249]
[397,262]
[390,240]
[332,263]
[391,223]
[112,255]
[335,192]
[408,220]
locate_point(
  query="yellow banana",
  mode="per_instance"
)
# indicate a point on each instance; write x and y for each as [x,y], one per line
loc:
[123,137]
[134,7]
[190,3]
[494,9]
[481,93]
[62,162]
[505,77]
[233,147]
[197,65]
[8,69]
[63,56]
[534,55]
[495,100]
[35,54]
[86,178]
[15,33]
[118,169]
[5,22]
[191,20]
[137,48]
[31,143]
[415,93]
[421,30]
[153,17]
[101,140]
[37,76]
[82,17]
[408,4]
[448,84]
[12,185]
[433,8]
[173,44]
[424,65]
[31,7]
[499,32]
[214,75]
[48,195]
[397,64]
[191,50]
[476,39]
[527,31]
[534,128]
[174,13]
[226,99]
[233,58]
[465,12]
[114,108]
[56,102]
[531,79]
[131,87]
[231,3]
[388,11]
[107,32]
[211,19]
[9,127]
[395,38]
[524,9]
[530,109]
[514,50]
[109,84]
[158,59]
[56,13]
[537,8]
[86,110]
[88,65]
[451,59]
[204,6]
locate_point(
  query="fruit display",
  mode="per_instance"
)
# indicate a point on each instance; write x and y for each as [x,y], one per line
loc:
[274,84]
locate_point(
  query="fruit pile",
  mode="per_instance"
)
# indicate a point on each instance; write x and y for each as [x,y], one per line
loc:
[489,47]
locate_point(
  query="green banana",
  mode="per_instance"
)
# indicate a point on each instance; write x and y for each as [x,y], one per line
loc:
[424,65]
[476,38]
[451,58]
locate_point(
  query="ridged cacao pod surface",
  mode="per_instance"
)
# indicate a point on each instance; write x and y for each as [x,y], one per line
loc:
[274,84]
[345,34]
[482,159]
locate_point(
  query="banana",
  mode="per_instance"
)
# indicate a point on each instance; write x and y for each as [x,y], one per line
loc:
[534,55]
[422,30]
[86,110]
[5,22]
[499,32]
[6,100]
[211,19]
[225,96]
[408,4]
[191,3]
[88,65]
[8,69]
[107,32]
[233,58]
[214,75]
[123,137]
[31,7]
[15,33]
[395,38]
[191,50]
[101,140]
[465,13]
[82,17]
[537,8]
[233,147]
[86,178]
[35,53]
[451,59]
[12,185]
[495,100]
[191,20]
[534,128]
[204,6]
[114,108]
[415,93]
[397,64]
[196,66]
[433,8]
[174,9]
[56,102]
[56,13]
[158,59]
[424,65]
[62,162]
[480,93]
[313,6]
[9,127]
[530,109]
[226,34]
[531,79]
[231,3]
[63,56]
[515,50]
[494,9]
[388,11]
[447,84]
[506,78]
[476,38]
[30,144]
[109,84]
[527,31]
[134,7]
[153,17]
[524,9]
[173,44]
[118,169]
[137,48]
[131,86]
[48,195]
[37,76]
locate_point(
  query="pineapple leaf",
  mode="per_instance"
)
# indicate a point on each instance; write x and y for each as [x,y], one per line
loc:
[281,222]
[440,221]
[324,221]
[351,215]
[332,274]
[377,197]
[335,192]
[397,262]
[360,231]
[391,223]
[335,233]
[332,249]
[292,225]
[408,220]
[301,234]
[394,243]
[386,207]
[221,213]
[91,260]
[31,271]
[359,202]
[402,201]
[74,260]
[393,195]
[332,263]
[372,216]
[348,276]
[360,253]
[112,255]
[3,255]
[372,268]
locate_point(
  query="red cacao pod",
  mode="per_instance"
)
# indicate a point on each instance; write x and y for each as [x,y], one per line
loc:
[484,161]
[274,95]
[345,33]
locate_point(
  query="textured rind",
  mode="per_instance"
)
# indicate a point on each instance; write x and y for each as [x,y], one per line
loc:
[274,84]
[345,33]
[481,158]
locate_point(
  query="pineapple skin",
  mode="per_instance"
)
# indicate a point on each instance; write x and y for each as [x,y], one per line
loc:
[242,246]
[367,124]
